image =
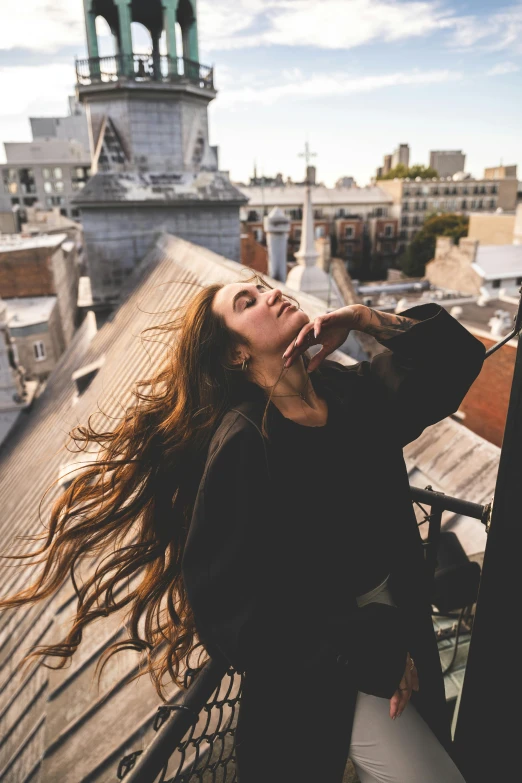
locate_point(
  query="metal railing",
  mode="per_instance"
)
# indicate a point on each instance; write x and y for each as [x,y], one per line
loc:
[143,68]
[198,734]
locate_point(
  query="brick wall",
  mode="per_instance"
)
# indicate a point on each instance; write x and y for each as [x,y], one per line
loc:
[26,273]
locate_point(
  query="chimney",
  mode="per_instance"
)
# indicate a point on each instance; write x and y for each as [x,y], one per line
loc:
[443,246]
[277,229]
[468,247]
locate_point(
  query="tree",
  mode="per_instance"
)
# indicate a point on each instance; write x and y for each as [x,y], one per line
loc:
[422,248]
[401,172]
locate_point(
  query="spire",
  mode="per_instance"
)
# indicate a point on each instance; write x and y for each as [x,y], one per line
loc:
[307,255]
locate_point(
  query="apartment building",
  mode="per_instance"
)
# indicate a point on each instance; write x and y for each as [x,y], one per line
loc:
[416,199]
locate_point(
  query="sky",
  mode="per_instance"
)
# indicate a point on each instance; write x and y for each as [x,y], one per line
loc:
[354,78]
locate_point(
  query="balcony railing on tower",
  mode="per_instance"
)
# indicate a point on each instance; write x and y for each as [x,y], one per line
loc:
[143,68]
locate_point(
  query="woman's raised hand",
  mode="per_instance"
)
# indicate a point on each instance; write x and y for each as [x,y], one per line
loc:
[401,697]
[329,330]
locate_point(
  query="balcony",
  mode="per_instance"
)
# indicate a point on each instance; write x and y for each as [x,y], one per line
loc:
[143,68]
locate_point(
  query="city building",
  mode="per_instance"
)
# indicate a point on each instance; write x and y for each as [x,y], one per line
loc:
[36,330]
[487,271]
[400,155]
[346,182]
[343,214]
[500,172]
[42,266]
[416,199]
[447,162]
[49,170]
[494,228]
[153,167]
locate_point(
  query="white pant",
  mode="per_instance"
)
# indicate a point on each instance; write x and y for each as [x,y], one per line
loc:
[403,750]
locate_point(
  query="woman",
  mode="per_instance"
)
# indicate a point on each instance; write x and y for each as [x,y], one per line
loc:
[213,511]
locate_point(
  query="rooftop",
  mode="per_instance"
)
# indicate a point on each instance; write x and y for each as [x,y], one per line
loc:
[28,311]
[166,187]
[14,242]
[499,261]
[289,195]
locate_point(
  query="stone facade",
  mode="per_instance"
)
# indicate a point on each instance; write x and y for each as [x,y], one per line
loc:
[116,239]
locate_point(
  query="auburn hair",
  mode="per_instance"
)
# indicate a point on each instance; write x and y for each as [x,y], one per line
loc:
[129,511]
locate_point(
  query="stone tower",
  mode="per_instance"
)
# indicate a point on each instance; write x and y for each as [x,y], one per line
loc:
[153,167]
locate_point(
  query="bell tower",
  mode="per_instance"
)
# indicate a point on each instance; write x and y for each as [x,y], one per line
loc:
[153,167]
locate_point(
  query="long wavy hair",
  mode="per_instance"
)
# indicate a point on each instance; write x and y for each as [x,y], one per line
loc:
[131,507]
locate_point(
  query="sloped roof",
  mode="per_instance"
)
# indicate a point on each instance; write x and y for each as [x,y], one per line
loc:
[288,195]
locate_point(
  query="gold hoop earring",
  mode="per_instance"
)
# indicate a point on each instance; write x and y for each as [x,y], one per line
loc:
[244,365]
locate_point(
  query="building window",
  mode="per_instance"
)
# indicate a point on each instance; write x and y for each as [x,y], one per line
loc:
[46,173]
[10,180]
[435,192]
[405,207]
[55,201]
[39,351]
[348,251]
[348,232]
[473,203]
[388,231]
[492,203]
[58,186]
[258,234]
[297,234]
[27,183]
[319,232]
[48,187]
[480,204]
[464,204]
[494,189]
[495,283]
[75,213]
[30,201]
[253,216]
[57,173]
[406,193]
[405,221]
[386,247]
[519,280]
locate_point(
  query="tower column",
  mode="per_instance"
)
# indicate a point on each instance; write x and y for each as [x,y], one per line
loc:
[170,8]
[92,40]
[125,37]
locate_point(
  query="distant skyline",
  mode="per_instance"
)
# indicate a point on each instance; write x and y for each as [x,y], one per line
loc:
[353,77]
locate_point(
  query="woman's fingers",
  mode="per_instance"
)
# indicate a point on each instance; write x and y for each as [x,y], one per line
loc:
[304,340]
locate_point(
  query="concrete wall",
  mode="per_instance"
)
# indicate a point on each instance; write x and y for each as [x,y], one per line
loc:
[451,268]
[492,229]
[118,238]
[507,194]
[66,276]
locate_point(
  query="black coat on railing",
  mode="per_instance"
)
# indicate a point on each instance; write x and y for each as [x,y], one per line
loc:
[229,562]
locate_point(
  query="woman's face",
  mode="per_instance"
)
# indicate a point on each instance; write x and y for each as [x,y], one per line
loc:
[254,311]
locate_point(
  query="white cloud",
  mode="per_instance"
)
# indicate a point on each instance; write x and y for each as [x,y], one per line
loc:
[329,24]
[496,32]
[503,68]
[33,89]
[330,84]
[41,25]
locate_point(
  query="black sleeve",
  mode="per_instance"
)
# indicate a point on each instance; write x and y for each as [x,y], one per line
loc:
[225,557]
[425,373]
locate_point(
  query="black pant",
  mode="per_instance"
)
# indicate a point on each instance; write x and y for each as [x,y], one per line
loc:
[295,720]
